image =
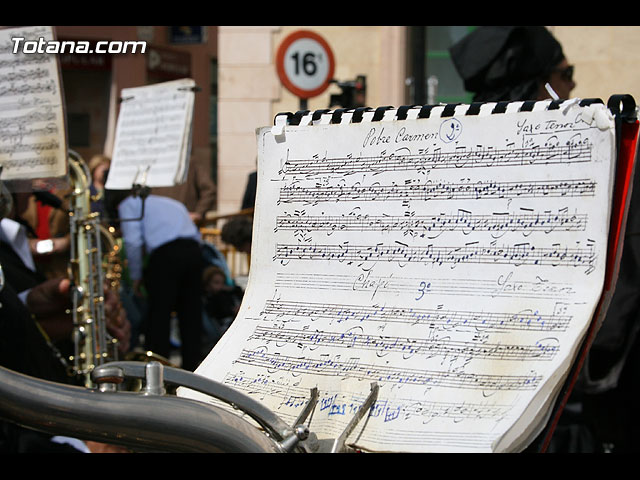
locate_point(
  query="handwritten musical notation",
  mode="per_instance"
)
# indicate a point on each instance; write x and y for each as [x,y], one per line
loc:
[426,159]
[431,318]
[382,344]
[32,129]
[437,191]
[517,254]
[454,261]
[35,59]
[25,75]
[432,225]
[335,367]
[26,120]
[390,411]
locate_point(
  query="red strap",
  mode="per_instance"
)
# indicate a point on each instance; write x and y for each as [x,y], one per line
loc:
[42,229]
[624,175]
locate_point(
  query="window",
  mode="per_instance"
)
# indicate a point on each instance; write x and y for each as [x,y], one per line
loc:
[433,77]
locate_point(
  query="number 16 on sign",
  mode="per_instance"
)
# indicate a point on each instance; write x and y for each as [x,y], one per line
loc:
[305,64]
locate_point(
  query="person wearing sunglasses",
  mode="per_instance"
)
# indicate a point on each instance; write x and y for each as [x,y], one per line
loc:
[561,80]
[512,63]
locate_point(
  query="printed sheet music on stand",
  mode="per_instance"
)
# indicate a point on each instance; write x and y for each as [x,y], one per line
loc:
[32,114]
[153,135]
[453,256]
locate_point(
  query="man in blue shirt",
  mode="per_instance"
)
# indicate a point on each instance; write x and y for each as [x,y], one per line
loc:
[164,231]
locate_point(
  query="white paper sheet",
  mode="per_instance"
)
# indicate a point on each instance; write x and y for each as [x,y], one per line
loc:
[153,135]
[32,125]
[456,261]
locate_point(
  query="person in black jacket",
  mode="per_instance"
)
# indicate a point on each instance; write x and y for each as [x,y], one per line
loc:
[27,325]
[25,348]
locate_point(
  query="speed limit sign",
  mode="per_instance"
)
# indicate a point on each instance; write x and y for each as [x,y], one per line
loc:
[305,63]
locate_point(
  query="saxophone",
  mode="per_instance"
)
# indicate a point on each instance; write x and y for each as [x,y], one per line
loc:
[112,263]
[93,346]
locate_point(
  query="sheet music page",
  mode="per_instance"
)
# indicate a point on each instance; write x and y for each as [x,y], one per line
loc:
[456,261]
[32,124]
[153,135]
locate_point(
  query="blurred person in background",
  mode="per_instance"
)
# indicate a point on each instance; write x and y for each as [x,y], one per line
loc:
[512,63]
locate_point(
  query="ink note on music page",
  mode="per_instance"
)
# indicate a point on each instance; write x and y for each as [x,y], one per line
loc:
[153,135]
[454,259]
[33,142]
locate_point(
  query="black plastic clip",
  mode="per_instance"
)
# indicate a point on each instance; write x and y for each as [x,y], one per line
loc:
[623,106]
[403,111]
[358,113]
[379,113]
[449,110]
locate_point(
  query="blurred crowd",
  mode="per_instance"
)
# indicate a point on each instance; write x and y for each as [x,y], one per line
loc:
[174,295]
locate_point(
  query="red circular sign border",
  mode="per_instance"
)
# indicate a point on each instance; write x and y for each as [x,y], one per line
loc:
[280,63]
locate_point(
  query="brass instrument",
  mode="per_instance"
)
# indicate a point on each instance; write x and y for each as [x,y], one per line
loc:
[152,420]
[112,264]
[139,421]
[92,344]
[152,417]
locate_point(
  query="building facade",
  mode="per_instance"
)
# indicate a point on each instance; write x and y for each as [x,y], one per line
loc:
[92,83]
[240,91]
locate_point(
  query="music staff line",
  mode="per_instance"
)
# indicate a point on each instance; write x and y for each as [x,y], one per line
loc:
[143,129]
[24,75]
[517,254]
[434,318]
[44,114]
[151,154]
[438,191]
[49,87]
[446,439]
[38,147]
[459,158]
[389,410]
[18,135]
[145,109]
[420,288]
[416,224]
[542,350]
[30,162]
[24,60]
[133,142]
[352,368]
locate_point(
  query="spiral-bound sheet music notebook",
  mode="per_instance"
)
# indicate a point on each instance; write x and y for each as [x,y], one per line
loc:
[453,255]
